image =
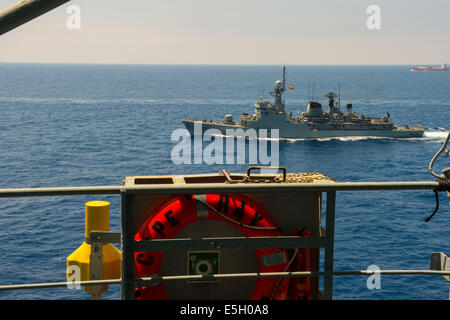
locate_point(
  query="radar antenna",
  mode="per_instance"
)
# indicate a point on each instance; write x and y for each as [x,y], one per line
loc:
[280,87]
[331,96]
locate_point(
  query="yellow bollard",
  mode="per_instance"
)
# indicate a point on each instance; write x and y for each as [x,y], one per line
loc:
[96,219]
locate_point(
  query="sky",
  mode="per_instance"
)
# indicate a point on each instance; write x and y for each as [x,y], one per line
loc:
[262,32]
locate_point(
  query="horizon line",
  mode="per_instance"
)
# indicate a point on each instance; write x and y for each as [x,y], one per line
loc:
[209,64]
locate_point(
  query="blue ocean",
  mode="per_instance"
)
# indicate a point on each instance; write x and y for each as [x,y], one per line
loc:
[94,125]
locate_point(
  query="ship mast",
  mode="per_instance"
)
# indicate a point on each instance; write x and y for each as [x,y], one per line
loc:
[280,87]
[331,96]
[339,95]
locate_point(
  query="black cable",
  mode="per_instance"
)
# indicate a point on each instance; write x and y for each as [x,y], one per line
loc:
[285,269]
[436,193]
[430,166]
[231,220]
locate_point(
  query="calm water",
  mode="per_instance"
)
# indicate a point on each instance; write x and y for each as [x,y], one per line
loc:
[87,125]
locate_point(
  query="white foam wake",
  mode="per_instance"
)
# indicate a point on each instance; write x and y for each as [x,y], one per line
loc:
[438,135]
[434,134]
[348,138]
[294,140]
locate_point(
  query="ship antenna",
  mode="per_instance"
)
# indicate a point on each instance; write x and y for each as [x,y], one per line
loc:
[313,88]
[339,93]
[284,78]
[309,89]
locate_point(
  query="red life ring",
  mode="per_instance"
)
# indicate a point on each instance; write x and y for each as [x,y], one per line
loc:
[180,211]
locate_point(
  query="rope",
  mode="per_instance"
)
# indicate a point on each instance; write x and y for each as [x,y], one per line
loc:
[430,166]
[444,185]
[437,206]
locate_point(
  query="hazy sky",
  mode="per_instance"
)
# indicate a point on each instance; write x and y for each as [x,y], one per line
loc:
[235,32]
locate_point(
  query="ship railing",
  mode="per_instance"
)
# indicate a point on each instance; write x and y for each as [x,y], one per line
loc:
[325,241]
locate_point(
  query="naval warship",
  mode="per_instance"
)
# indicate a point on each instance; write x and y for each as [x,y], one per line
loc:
[314,123]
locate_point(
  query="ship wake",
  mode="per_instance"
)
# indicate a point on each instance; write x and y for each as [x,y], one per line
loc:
[438,135]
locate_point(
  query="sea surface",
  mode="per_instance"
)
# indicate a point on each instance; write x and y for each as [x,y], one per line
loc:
[93,125]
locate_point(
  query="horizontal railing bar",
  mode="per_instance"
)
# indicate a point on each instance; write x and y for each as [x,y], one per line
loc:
[57,284]
[228,243]
[279,187]
[59,191]
[219,188]
[143,280]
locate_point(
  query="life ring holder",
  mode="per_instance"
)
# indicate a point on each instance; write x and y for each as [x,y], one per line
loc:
[180,211]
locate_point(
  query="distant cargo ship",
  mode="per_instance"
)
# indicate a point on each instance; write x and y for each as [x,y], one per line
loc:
[428,68]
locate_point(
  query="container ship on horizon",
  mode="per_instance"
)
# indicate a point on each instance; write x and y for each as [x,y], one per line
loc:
[443,67]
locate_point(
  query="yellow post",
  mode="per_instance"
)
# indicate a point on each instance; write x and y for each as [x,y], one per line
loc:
[96,219]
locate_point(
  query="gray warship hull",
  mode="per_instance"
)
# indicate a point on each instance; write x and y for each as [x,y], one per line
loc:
[302,131]
[314,123]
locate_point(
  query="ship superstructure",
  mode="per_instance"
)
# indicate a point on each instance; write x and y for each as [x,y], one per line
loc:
[316,122]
